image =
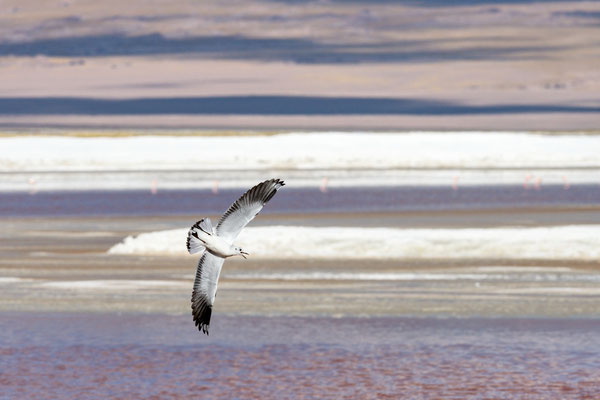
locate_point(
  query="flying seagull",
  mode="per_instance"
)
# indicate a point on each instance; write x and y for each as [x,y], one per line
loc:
[216,244]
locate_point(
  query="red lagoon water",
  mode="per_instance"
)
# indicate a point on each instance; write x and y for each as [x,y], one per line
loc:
[103,356]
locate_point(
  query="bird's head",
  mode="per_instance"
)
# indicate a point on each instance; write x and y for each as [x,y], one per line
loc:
[241,252]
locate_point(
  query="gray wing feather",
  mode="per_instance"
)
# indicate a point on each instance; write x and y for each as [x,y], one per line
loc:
[205,289]
[245,209]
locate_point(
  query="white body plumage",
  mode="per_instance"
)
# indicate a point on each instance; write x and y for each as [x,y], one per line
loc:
[216,245]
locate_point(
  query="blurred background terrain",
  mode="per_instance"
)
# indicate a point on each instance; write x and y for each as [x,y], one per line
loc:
[270,64]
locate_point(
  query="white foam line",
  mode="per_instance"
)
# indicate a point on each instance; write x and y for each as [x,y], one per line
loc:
[359,276]
[196,180]
[350,276]
[557,290]
[68,234]
[6,280]
[503,268]
[110,284]
[577,242]
[300,151]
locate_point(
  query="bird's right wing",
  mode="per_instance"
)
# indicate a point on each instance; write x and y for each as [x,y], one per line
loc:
[245,209]
[205,289]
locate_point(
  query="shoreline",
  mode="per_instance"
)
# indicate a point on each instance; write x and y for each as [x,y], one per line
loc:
[538,216]
[120,131]
[554,122]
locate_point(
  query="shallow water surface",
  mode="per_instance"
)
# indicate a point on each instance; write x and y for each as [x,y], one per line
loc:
[62,355]
[296,200]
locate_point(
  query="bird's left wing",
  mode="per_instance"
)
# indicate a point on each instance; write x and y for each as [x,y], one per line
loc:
[245,209]
[205,289]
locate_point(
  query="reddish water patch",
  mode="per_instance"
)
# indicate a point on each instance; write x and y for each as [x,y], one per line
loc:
[156,357]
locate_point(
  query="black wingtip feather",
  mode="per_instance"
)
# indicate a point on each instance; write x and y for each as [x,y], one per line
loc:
[201,312]
[201,308]
[266,190]
[187,243]
[190,233]
[270,196]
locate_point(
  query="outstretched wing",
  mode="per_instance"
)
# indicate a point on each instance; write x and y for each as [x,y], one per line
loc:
[245,209]
[205,289]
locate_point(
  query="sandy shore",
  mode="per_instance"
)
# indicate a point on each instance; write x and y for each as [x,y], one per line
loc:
[61,264]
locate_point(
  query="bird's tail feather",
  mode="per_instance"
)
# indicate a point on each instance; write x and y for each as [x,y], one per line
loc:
[194,243]
[205,225]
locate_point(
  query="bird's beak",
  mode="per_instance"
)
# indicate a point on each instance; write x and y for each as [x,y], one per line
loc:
[244,254]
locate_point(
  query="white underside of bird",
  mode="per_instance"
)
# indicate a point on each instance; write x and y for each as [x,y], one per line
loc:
[216,243]
[207,239]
